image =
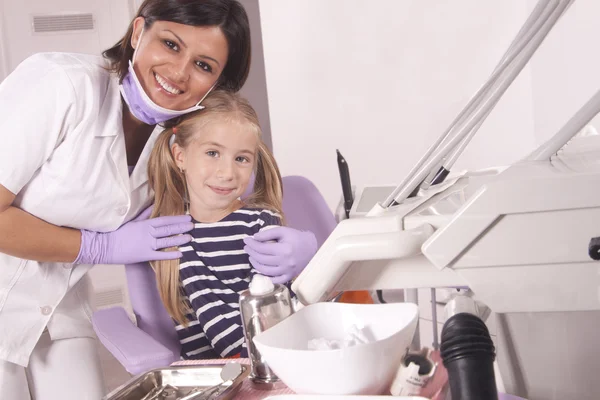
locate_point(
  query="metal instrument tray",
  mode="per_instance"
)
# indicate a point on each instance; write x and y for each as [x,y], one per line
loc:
[184,378]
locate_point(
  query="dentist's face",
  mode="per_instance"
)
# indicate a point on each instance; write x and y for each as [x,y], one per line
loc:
[177,64]
[218,164]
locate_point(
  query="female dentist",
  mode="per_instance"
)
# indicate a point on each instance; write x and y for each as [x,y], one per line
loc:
[76,134]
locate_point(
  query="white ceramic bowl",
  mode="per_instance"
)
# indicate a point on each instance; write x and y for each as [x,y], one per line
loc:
[363,369]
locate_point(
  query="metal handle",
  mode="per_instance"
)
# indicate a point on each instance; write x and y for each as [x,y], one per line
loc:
[160,392]
[207,393]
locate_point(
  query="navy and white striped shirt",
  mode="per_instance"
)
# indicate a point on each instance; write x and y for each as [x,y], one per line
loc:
[213,270]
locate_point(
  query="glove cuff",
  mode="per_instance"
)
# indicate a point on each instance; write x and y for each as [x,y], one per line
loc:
[87,249]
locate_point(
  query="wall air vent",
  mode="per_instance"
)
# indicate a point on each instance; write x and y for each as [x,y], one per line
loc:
[57,23]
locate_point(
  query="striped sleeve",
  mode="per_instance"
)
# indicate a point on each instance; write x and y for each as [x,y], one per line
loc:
[268,220]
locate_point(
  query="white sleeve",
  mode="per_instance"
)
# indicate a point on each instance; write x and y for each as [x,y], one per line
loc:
[37,108]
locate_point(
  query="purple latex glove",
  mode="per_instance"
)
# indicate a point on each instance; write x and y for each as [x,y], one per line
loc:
[136,241]
[284,259]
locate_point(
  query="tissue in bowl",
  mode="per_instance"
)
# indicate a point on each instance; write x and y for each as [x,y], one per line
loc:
[362,369]
[354,336]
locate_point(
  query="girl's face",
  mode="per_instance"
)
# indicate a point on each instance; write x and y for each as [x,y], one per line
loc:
[177,64]
[217,164]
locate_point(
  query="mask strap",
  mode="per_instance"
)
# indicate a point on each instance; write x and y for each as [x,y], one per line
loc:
[138,46]
[207,93]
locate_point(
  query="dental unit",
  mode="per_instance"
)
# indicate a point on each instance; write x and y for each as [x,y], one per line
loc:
[519,237]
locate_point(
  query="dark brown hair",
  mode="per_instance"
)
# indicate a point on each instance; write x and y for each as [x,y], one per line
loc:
[229,15]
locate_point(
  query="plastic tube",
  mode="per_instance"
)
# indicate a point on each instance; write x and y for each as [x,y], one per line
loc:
[409,184]
[570,129]
[439,173]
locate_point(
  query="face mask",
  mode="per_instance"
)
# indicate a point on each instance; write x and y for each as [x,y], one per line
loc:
[140,104]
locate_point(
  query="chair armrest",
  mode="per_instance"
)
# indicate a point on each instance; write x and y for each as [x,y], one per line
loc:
[136,350]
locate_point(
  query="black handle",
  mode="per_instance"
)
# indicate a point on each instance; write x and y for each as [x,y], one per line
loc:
[594,248]
[346,185]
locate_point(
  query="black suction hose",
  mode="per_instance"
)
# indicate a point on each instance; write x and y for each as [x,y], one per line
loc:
[468,354]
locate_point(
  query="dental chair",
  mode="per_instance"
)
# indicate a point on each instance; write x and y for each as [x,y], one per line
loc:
[152,342]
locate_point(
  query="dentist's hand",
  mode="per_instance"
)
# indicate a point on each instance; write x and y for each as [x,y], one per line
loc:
[284,259]
[136,241]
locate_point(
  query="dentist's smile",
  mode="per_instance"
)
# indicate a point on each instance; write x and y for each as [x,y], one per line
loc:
[167,86]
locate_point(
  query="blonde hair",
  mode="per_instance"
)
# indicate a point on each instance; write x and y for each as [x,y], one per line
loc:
[169,186]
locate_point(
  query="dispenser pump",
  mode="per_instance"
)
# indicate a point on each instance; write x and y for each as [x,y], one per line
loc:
[261,285]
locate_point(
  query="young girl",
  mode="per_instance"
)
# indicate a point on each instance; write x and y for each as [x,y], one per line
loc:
[202,166]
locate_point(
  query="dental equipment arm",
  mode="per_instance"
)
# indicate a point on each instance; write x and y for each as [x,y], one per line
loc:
[518,236]
[496,240]
[439,174]
[474,113]
[575,124]
[336,271]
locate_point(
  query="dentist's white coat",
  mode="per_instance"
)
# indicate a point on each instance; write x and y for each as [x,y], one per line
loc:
[62,153]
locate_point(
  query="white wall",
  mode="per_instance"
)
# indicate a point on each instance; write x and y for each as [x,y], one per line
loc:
[255,88]
[566,68]
[17,41]
[382,82]
[3,54]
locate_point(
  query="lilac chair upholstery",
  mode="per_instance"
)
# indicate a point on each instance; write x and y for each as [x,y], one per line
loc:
[152,343]
[305,208]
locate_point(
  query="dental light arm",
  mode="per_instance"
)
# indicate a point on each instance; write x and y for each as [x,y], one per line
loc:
[357,247]
[439,173]
[477,109]
[522,237]
[539,15]
[566,133]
